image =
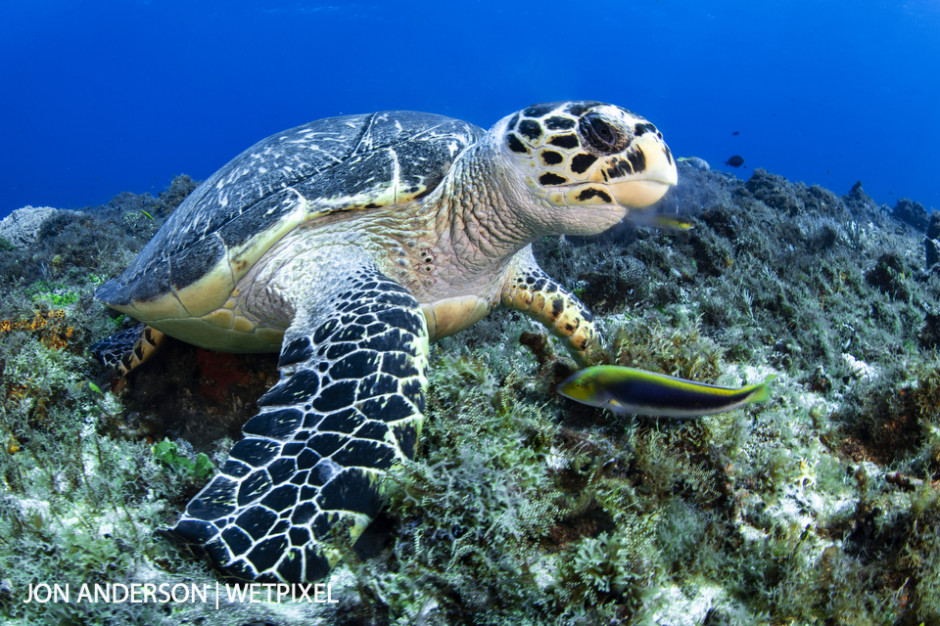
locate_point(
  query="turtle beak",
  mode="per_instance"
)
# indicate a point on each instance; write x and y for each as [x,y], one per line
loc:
[650,183]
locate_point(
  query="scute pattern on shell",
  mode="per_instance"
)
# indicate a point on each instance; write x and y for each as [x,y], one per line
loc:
[334,164]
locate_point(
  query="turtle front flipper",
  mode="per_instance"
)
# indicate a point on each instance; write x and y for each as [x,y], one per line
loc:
[129,348]
[349,404]
[530,290]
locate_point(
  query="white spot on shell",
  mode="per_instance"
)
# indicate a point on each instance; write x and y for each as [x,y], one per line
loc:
[326,469]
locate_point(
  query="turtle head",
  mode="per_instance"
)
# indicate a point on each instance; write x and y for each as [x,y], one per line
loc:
[586,164]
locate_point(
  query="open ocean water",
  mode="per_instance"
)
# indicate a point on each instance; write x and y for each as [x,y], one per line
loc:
[100,97]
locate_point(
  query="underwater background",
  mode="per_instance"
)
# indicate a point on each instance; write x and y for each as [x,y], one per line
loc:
[120,95]
[819,506]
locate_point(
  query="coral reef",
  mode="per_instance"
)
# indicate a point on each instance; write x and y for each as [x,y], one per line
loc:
[914,213]
[22,227]
[818,506]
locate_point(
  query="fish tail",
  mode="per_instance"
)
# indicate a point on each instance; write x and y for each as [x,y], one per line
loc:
[759,392]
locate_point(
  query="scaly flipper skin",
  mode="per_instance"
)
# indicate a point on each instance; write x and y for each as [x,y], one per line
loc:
[349,404]
[129,348]
[535,293]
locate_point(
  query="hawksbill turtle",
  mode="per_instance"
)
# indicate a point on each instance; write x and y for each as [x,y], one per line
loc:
[346,244]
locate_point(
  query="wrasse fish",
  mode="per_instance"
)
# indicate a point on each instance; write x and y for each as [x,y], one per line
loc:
[629,390]
[673,222]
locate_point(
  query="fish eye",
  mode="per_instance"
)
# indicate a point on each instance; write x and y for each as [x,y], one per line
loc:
[601,135]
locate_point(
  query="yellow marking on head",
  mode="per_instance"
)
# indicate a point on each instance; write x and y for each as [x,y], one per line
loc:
[591,154]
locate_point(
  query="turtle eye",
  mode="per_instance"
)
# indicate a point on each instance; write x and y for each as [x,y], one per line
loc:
[601,135]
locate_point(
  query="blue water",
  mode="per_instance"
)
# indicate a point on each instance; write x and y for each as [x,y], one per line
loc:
[105,96]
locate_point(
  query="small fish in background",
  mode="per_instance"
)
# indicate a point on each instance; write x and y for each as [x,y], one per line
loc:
[669,221]
[673,223]
[629,390]
[735,161]
[736,133]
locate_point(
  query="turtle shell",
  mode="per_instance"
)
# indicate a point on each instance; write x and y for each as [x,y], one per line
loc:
[347,163]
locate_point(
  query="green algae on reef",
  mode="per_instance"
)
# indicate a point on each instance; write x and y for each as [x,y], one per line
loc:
[820,505]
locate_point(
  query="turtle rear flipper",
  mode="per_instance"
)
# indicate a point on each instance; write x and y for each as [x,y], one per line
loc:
[349,404]
[129,348]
